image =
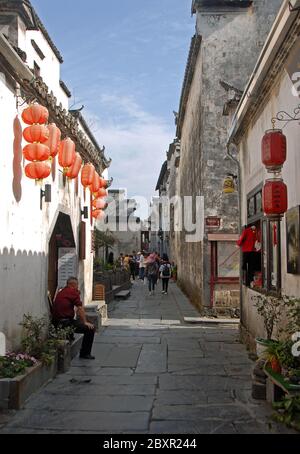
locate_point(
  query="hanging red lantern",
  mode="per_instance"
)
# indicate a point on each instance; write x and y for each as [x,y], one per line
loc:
[96,184]
[36,152]
[274,149]
[275,198]
[66,154]
[36,133]
[35,114]
[100,204]
[74,170]
[53,141]
[87,175]
[37,170]
[98,214]
[103,183]
[101,193]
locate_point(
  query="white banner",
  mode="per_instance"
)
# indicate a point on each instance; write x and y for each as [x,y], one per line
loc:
[67,265]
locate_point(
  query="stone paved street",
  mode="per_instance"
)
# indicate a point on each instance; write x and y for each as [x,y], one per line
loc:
[152,374]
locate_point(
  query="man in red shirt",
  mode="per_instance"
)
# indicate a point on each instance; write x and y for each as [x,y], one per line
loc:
[247,242]
[64,306]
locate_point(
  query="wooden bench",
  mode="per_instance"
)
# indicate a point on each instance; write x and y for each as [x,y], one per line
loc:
[123,295]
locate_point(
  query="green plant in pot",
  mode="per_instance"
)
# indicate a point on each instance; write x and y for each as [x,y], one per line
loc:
[270,309]
[271,355]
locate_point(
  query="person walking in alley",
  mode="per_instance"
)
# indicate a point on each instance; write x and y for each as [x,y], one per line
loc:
[132,267]
[142,267]
[65,304]
[152,269]
[165,274]
[126,263]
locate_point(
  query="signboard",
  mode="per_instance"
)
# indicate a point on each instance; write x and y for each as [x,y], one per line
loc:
[67,265]
[213,222]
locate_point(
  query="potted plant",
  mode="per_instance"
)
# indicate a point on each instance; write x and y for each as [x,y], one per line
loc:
[270,309]
[272,357]
[14,364]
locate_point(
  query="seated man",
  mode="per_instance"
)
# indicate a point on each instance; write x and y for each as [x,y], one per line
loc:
[63,314]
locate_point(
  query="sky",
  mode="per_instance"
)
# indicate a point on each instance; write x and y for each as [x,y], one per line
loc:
[124,60]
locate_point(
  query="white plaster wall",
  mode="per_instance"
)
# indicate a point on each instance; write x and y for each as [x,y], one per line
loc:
[253,173]
[25,232]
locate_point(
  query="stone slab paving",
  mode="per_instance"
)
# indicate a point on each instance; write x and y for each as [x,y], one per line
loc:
[153,374]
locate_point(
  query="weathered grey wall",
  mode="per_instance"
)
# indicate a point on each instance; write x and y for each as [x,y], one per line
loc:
[231,42]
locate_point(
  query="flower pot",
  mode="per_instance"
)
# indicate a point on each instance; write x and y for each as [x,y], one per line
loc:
[262,345]
[15,391]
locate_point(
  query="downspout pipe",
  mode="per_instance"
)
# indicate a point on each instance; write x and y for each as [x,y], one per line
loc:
[237,163]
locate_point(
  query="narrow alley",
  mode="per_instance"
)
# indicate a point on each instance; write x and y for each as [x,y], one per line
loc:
[153,374]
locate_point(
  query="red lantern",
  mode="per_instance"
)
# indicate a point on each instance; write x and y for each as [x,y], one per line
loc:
[66,154]
[100,204]
[87,175]
[96,184]
[101,193]
[73,172]
[98,214]
[54,139]
[103,183]
[275,198]
[36,133]
[36,152]
[274,146]
[35,114]
[37,170]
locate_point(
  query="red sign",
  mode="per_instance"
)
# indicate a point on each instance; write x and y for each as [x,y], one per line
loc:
[213,222]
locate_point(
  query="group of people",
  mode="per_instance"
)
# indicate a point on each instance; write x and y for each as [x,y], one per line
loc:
[148,266]
[67,302]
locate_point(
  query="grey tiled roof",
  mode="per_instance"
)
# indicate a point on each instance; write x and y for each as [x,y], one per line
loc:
[216,3]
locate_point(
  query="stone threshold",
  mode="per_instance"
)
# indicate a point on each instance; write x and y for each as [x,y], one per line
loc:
[204,320]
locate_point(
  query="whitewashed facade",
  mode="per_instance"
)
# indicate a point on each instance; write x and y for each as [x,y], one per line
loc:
[32,232]
[272,89]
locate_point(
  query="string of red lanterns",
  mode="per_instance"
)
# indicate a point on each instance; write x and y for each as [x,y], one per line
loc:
[36,134]
[275,193]
[45,144]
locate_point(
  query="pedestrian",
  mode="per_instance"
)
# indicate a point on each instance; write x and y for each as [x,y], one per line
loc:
[142,267]
[121,260]
[152,270]
[111,258]
[165,274]
[126,263]
[66,303]
[132,267]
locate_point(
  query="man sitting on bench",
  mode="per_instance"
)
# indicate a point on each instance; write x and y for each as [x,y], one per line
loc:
[63,313]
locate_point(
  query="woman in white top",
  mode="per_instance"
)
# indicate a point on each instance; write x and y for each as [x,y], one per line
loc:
[142,267]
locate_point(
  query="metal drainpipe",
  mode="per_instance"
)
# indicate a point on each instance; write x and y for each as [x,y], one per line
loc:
[240,221]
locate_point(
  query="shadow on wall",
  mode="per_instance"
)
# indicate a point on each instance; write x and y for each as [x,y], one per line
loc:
[23,284]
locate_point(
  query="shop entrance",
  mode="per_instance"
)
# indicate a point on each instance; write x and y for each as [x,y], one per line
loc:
[62,237]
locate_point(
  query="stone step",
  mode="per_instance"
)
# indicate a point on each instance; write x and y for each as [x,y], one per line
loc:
[232,321]
[124,294]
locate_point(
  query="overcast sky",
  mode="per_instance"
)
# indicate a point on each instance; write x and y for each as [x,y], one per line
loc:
[125,61]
